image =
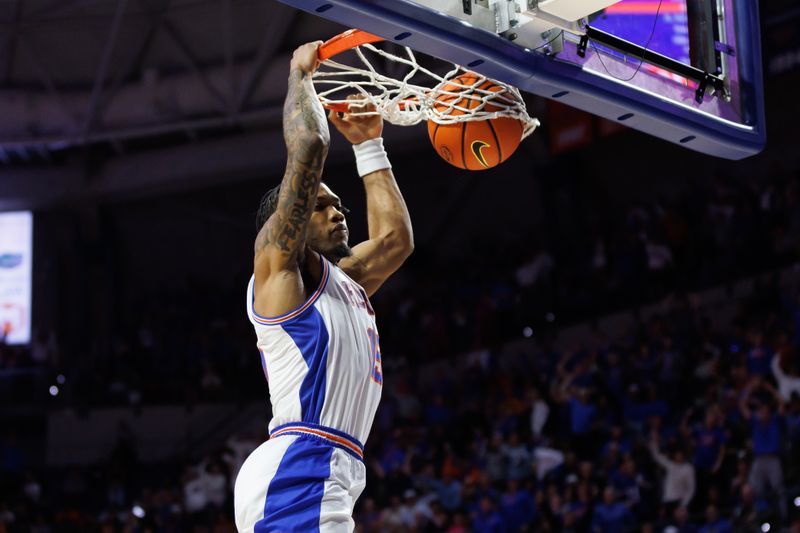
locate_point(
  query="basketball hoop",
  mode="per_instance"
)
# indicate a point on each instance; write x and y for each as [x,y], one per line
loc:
[417,93]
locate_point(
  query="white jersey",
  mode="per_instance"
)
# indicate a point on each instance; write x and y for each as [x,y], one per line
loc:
[322,360]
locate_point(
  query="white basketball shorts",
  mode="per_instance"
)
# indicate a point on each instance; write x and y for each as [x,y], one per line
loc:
[305,478]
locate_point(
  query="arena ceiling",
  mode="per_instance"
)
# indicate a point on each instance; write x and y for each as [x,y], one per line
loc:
[103,96]
[78,71]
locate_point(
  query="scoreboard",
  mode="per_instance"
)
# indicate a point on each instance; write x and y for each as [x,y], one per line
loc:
[16,266]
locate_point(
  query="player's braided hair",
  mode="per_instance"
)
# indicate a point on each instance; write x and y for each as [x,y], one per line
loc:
[269,202]
[268,205]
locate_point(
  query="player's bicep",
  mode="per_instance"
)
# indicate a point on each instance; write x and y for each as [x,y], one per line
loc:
[277,293]
[278,286]
[280,293]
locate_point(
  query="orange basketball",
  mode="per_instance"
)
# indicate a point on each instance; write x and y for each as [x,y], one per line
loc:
[476,144]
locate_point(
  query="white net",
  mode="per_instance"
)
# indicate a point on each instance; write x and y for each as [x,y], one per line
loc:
[408,93]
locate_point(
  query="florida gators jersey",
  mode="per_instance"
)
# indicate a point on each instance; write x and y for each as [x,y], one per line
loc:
[323,360]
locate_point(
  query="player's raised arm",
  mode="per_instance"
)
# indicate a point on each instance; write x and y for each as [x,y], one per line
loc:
[281,241]
[391,239]
[305,131]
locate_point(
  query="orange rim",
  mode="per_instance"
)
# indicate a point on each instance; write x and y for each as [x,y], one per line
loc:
[341,43]
[345,41]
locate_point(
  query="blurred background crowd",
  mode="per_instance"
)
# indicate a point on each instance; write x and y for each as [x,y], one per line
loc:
[597,261]
[603,339]
[688,418]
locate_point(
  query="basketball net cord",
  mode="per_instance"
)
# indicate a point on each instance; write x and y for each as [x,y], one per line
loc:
[403,103]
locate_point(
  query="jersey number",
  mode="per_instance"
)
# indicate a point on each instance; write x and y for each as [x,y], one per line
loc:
[359,300]
[375,348]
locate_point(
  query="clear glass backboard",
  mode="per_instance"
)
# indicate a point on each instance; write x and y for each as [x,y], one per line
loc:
[687,71]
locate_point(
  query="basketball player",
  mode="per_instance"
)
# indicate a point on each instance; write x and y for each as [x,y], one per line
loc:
[308,301]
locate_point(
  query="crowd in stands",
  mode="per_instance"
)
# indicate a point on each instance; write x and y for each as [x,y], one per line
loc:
[587,263]
[121,494]
[684,424]
[681,425]
[590,258]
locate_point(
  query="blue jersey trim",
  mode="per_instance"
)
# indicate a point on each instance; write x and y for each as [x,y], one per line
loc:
[310,335]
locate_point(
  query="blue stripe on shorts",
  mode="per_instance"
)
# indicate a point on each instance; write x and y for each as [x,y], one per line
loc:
[294,495]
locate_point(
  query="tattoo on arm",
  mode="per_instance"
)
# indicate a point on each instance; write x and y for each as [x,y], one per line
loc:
[305,130]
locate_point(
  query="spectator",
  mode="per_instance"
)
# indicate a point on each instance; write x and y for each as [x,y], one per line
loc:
[194,491]
[746,513]
[570,523]
[393,518]
[581,410]
[708,439]
[210,382]
[460,432]
[459,524]
[238,448]
[517,457]
[495,460]
[448,490]
[408,517]
[44,349]
[679,478]
[580,508]
[540,412]
[32,489]
[488,519]
[611,516]
[369,517]
[715,524]
[617,443]
[216,484]
[547,460]
[517,507]
[766,473]
[788,384]
[793,425]
[626,481]
[680,522]
[7,517]
[759,355]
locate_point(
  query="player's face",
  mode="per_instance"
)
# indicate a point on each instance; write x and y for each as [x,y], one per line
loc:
[327,230]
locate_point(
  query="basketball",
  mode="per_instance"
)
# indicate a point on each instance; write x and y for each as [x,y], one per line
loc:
[476,144]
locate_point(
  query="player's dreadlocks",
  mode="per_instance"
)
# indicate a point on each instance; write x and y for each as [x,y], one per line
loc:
[268,205]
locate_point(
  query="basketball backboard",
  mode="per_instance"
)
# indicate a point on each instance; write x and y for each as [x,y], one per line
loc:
[700,85]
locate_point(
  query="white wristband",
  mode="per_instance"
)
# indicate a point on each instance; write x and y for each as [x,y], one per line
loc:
[371,157]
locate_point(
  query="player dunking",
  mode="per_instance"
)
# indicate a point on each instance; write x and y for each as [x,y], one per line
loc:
[315,328]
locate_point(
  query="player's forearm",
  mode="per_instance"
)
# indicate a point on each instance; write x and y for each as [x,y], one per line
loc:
[305,127]
[305,131]
[387,214]
[658,457]
[775,365]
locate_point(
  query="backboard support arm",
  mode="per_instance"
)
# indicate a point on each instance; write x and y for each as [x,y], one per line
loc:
[702,78]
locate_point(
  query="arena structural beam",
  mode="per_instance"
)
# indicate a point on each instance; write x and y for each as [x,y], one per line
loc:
[180,168]
[274,35]
[102,70]
[151,70]
[163,104]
